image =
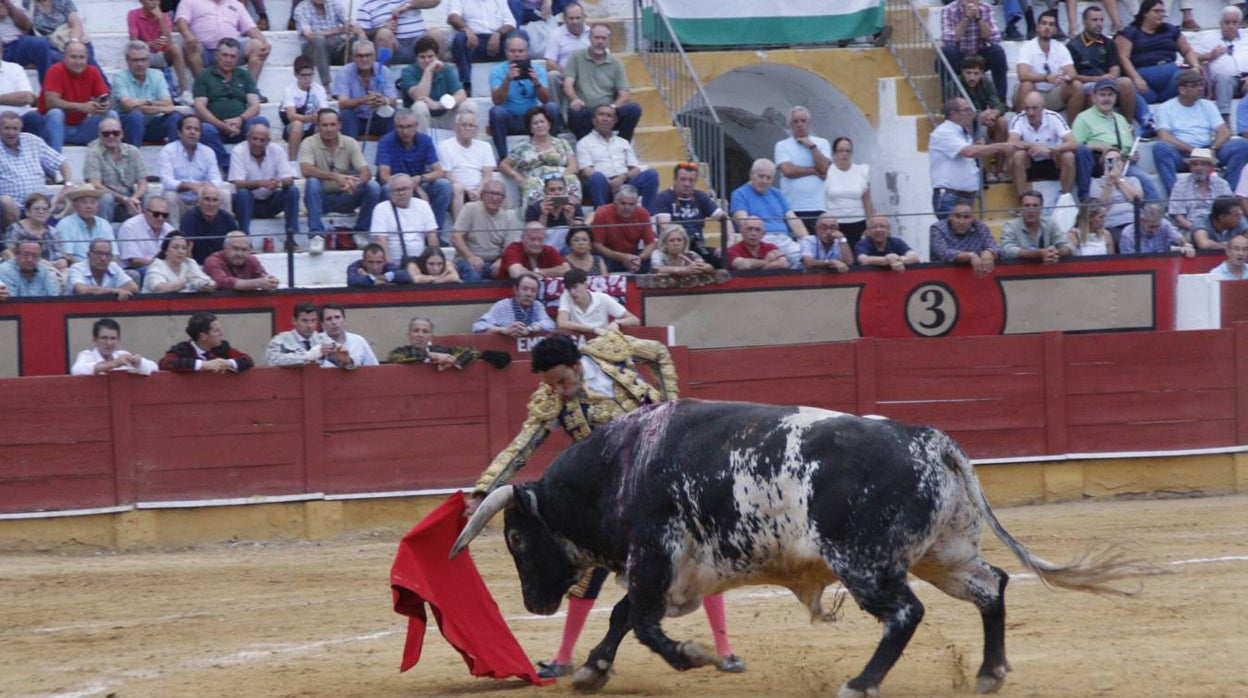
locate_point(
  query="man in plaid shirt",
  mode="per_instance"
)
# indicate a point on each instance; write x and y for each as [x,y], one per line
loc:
[967,27]
[24,161]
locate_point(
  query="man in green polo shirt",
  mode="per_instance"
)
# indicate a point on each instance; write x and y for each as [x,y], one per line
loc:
[592,78]
[1100,128]
[227,101]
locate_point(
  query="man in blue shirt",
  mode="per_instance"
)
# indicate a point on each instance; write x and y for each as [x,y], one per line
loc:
[25,276]
[142,96]
[758,199]
[516,87]
[366,93]
[407,151]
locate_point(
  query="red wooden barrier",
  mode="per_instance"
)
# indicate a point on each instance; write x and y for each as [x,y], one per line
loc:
[96,442]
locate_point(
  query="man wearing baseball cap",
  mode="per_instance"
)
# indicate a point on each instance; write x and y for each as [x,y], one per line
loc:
[1101,129]
[1189,121]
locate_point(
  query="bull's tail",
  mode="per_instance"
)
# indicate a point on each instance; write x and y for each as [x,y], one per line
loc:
[1097,570]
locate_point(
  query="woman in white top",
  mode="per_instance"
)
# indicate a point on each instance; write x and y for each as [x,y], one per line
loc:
[847,191]
[588,311]
[173,270]
[1089,236]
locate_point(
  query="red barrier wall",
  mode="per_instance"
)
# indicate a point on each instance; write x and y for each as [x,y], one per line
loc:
[121,439]
[884,307]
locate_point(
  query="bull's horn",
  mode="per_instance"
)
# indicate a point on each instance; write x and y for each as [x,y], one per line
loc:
[498,500]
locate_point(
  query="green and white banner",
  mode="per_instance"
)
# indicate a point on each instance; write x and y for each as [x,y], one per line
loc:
[751,22]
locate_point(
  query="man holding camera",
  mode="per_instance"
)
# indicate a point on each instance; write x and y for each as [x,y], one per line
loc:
[74,99]
[1101,129]
[516,87]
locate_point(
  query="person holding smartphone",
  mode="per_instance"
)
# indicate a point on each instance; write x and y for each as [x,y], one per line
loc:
[74,100]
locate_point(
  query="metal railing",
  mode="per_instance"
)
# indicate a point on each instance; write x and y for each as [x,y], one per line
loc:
[918,54]
[677,82]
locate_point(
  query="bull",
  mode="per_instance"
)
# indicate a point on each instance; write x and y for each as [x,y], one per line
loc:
[690,498]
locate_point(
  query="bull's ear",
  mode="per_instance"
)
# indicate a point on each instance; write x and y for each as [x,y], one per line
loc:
[526,500]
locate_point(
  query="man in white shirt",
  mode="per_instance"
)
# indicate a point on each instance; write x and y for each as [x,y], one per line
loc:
[467,161]
[405,224]
[1224,52]
[1049,147]
[562,42]
[138,239]
[1046,66]
[185,166]
[263,180]
[99,275]
[953,157]
[608,162]
[803,161]
[17,95]
[347,350]
[106,357]
[1233,269]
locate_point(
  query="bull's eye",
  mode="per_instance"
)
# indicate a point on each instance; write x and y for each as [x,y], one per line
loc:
[513,540]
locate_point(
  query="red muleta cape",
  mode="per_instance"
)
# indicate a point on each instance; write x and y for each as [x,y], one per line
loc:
[467,615]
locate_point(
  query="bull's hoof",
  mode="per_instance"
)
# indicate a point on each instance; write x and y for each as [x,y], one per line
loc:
[592,677]
[697,655]
[991,683]
[847,692]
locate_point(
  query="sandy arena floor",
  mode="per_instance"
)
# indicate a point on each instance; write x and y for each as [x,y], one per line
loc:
[258,620]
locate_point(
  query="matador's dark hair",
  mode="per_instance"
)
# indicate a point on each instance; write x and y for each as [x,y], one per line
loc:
[555,350]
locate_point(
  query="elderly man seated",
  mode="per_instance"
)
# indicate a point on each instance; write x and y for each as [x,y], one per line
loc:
[624,233]
[878,247]
[531,255]
[753,253]
[138,239]
[25,276]
[235,268]
[519,316]
[117,169]
[481,232]
[758,199]
[75,232]
[264,181]
[207,224]
[99,275]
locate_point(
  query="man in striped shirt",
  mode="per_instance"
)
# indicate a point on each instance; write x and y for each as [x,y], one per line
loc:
[395,25]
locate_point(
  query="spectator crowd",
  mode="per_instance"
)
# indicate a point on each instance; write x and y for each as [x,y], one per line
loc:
[435,212]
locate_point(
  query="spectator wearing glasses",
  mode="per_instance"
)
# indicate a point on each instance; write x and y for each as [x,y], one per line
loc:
[517,85]
[1046,66]
[154,27]
[827,249]
[1225,54]
[74,99]
[139,238]
[117,169]
[408,151]
[366,93]
[953,155]
[467,161]
[338,177]
[481,232]
[186,166]
[1188,122]
[147,109]
[301,100]
[227,101]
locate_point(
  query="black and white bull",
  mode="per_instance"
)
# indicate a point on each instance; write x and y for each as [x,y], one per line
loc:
[691,498]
